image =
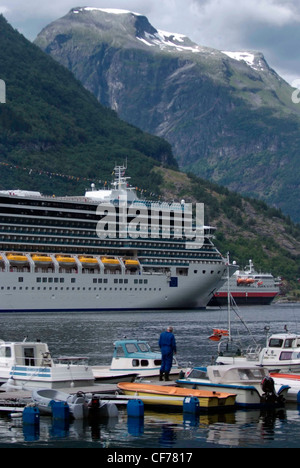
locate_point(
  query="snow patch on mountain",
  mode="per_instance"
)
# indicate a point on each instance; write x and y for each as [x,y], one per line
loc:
[113,11]
[164,39]
[251,59]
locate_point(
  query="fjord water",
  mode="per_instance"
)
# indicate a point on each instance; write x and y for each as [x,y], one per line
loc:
[93,334]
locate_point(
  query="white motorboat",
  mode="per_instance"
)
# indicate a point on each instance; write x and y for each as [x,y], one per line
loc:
[131,359]
[252,385]
[26,365]
[45,397]
[281,353]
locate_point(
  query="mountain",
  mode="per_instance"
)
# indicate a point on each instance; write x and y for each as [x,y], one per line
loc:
[228,116]
[50,124]
[57,138]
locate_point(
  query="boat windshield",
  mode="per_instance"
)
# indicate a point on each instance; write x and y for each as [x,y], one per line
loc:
[5,351]
[198,374]
[276,343]
[137,347]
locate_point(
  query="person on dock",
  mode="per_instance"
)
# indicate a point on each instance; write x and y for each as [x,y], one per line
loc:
[167,344]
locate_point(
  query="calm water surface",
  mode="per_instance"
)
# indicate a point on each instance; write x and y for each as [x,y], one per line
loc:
[92,335]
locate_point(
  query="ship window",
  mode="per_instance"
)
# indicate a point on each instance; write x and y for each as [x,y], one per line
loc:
[285,356]
[20,279]
[144,363]
[135,362]
[275,343]
[131,348]
[5,351]
[29,357]
[288,343]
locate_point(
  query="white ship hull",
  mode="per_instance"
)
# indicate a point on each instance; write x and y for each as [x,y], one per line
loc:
[25,291]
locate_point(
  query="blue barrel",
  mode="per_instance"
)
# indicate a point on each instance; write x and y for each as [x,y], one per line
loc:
[135,408]
[31,415]
[191,405]
[60,410]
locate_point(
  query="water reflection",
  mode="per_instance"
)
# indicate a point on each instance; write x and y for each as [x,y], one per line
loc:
[93,335]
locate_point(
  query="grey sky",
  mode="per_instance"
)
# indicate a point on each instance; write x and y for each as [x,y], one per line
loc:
[269,26]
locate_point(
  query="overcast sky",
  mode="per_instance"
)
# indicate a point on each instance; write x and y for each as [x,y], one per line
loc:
[269,26]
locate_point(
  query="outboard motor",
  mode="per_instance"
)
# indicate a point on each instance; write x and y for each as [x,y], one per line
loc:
[270,395]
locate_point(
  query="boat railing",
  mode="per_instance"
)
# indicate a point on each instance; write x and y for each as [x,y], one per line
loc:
[252,352]
[72,360]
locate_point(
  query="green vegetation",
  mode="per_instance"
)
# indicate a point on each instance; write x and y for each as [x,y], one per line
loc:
[50,123]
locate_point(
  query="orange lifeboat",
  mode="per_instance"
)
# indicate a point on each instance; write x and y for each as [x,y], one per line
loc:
[218,334]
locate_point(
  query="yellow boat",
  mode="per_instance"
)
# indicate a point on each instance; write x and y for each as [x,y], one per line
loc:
[42,259]
[110,261]
[66,261]
[174,396]
[131,263]
[17,259]
[88,261]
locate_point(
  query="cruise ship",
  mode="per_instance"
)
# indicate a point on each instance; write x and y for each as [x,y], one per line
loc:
[74,253]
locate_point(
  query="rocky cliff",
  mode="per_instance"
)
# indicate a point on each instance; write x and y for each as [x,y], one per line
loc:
[228,116]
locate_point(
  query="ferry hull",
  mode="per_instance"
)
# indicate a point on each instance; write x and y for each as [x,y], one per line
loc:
[243,298]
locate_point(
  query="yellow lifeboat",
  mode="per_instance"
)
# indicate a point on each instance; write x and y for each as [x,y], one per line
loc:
[130,263]
[17,259]
[66,261]
[41,259]
[110,262]
[88,262]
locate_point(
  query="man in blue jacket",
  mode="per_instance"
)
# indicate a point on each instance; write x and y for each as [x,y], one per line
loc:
[167,344]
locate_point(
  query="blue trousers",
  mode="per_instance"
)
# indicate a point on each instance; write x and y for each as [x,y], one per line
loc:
[166,362]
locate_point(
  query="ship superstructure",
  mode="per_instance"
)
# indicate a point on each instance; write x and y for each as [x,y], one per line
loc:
[248,287]
[106,250]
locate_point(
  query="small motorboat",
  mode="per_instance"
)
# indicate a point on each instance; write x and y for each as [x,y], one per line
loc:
[252,385]
[26,365]
[160,395]
[44,398]
[80,405]
[281,354]
[131,359]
